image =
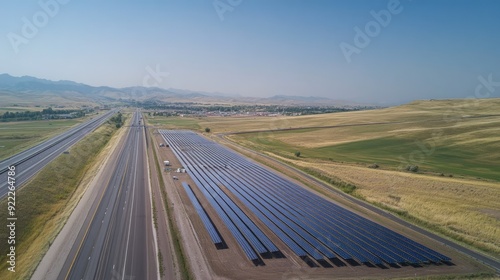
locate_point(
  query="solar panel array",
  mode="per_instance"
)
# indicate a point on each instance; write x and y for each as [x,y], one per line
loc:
[311,226]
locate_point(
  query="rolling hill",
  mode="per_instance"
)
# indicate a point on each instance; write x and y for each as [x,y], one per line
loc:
[31,91]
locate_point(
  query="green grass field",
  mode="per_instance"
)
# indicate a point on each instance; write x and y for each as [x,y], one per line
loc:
[391,152]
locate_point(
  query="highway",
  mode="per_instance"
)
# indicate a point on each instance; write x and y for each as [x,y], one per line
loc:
[116,240]
[32,160]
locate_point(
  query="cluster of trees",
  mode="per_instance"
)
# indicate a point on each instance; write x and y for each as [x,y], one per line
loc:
[170,114]
[117,120]
[50,111]
[41,115]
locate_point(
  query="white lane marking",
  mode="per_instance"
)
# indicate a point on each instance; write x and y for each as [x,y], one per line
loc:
[131,211]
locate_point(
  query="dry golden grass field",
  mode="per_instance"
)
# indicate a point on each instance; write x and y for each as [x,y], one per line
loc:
[455,144]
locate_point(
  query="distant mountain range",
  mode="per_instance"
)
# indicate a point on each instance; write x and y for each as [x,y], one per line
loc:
[28,90]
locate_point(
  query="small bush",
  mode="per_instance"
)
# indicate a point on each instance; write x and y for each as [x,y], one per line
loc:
[207,130]
[297,154]
[412,168]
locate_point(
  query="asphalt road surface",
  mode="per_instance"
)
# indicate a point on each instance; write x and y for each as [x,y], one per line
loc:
[116,240]
[30,161]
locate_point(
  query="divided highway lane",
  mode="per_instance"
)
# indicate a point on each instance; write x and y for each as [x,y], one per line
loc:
[116,240]
[29,162]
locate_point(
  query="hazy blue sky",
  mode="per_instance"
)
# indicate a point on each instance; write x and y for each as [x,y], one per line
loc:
[428,49]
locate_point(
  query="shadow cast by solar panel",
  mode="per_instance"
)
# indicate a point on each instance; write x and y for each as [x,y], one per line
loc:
[337,262]
[448,263]
[222,245]
[258,262]
[278,255]
[267,255]
[394,265]
[325,264]
[309,262]
[382,266]
[415,265]
[368,264]
[352,262]
[441,263]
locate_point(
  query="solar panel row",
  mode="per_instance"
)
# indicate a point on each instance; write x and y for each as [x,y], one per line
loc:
[311,226]
[207,222]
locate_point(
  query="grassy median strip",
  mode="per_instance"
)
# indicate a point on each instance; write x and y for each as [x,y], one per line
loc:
[155,217]
[179,252]
[45,203]
[160,261]
[155,222]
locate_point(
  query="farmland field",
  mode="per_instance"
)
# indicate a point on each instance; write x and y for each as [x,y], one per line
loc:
[175,122]
[465,149]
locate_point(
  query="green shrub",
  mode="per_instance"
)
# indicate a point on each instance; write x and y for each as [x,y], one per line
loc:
[412,168]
